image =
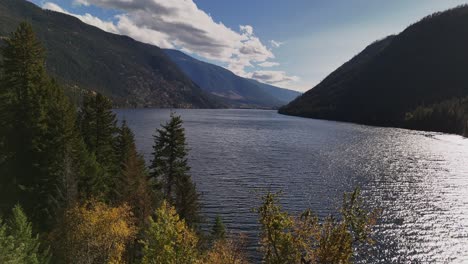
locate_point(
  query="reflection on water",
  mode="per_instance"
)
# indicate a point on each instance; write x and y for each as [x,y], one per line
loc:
[418,179]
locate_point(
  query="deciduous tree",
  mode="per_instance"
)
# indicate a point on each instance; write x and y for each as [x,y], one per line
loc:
[94,232]
[227,251]
[307,239]
[168,239]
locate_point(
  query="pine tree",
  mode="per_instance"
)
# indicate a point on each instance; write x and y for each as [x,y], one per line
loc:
[219,230]
[170,170]
[63,157]
[125,143]
[40,141]
[98,127]
[187,200]
[23,117]
[17,242]
[133,187]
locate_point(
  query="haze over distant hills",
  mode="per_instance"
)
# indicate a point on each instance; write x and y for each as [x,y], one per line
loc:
[424,68]
[237,91]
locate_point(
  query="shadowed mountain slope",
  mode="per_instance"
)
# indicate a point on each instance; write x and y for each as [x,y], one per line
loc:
[424,65]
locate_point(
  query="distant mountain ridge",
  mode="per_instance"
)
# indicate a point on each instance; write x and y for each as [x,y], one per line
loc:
[282,94]
[84,57]
[235,90]
[425,64]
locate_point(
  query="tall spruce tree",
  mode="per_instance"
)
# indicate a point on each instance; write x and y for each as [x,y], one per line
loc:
[18,244]
[98,126]
[187,200]
[64,156]
[23,116]
[40,142]
[170,170]
[133,186]
[125,143]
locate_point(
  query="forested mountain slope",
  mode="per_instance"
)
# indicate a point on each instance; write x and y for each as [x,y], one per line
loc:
[81,56]
[424,65]
[236,91]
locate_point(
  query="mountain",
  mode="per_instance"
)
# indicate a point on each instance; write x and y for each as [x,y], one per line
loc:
[282,94]
[423,66]
[236,91]
[83,56]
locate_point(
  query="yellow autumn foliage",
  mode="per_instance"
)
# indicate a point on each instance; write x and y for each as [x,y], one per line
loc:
[98,233]
[308,239]
[227,251]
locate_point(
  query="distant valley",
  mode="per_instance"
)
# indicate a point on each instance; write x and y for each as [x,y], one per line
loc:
[234,90]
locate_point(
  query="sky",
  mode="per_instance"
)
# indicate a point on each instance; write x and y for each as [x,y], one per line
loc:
[288,43]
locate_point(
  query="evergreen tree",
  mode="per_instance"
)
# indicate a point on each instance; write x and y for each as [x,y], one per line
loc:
[219,230]
[169,169]
[40,148]
[187,200]
[133,187]
[17,242]
[125,143]
[98,128]
[64,157]
[23,85]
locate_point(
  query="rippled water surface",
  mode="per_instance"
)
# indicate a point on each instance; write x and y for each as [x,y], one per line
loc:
[418,179]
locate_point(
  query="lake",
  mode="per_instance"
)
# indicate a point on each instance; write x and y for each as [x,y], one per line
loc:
[418,179]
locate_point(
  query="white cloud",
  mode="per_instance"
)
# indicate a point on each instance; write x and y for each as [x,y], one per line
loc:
[279,78]
[268,64]
[276,44]
[53,7]
[87,18]
[181,24]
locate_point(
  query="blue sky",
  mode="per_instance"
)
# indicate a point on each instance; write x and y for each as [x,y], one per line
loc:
[292,44]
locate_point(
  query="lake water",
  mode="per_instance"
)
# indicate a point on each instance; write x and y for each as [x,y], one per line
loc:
[418,179]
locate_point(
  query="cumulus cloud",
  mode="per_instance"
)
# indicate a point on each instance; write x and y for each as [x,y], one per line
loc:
[273,77]
[87,18]
[182,25]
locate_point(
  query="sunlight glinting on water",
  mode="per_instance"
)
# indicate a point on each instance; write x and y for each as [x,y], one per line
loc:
[418,179]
